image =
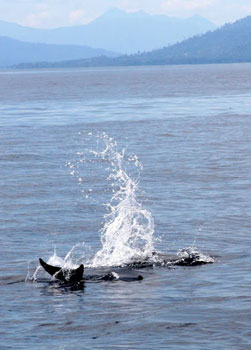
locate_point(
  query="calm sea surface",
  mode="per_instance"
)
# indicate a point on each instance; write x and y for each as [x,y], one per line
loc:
[71,140]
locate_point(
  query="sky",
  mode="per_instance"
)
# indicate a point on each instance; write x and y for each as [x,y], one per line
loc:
[57,13]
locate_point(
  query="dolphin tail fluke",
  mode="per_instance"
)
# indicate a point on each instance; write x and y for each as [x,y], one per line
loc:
[52,270]
[61,274]
[77,274]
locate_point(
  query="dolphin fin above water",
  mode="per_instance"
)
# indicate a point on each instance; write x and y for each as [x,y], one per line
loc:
[65,275]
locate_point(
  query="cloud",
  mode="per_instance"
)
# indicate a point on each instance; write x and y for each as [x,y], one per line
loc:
[36,19]
[246,9]
[181,6]
[77,17]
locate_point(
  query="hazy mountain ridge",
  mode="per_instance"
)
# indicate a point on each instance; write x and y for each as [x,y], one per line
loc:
[116,31]
[228,44]
[13,52]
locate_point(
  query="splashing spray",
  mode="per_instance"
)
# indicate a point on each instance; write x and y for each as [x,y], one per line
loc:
[128,229]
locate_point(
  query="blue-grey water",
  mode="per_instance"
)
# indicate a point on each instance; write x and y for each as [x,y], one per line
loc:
[190,128]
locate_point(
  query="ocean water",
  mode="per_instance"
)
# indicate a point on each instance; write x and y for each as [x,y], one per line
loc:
[104,166]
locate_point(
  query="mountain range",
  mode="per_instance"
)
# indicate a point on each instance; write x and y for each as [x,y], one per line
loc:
[228,44]
[115,31]
[13,52]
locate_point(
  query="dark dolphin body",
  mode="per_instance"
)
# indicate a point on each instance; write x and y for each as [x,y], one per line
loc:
[163,260]
[125,272]
[75,276]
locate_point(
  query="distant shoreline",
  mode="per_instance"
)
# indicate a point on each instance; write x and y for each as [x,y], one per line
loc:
[101,67]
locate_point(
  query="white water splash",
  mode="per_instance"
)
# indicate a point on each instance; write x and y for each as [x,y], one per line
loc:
[194,253]
[66,263]
[128,229]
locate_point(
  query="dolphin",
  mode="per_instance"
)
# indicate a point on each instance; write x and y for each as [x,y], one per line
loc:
[64,275]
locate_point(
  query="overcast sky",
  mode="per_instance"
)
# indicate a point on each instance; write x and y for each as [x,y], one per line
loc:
[55,13]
